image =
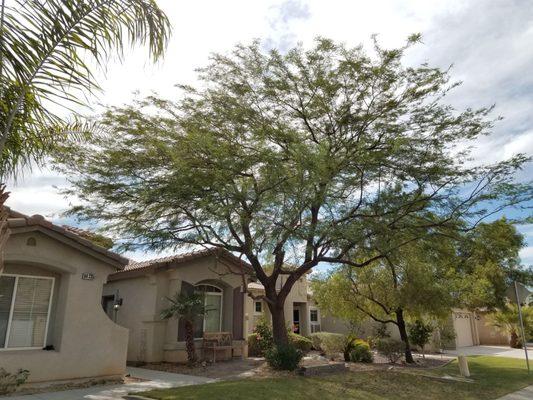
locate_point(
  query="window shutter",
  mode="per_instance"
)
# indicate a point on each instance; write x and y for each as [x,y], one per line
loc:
[238,313]
[7,284]
[30,312]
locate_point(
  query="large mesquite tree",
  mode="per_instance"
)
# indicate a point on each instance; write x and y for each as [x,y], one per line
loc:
[291,159]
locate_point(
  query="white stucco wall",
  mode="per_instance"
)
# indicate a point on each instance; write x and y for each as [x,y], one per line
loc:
[144,297]
[87,343]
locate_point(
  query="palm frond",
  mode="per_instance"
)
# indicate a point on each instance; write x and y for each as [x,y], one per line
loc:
[47,52]
[183,305]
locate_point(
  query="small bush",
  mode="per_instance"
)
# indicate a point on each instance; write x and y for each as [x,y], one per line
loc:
[284,357]
[9,381]
[300,342]
[379,332]
[328,343]
[316,340]
[261,339]
[446,336]
[392,349]
[349,342]
[361,352]
[420,334]
[254,348]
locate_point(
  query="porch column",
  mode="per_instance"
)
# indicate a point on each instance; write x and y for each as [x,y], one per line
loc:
[174,286]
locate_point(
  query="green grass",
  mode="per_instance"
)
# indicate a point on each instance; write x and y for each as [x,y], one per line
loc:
[493,377]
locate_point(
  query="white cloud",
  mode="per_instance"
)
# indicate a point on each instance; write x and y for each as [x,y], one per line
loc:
[519,144]
[37,193]
[526,254]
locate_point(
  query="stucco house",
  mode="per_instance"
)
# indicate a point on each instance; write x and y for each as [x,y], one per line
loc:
[50,304]
[142,288]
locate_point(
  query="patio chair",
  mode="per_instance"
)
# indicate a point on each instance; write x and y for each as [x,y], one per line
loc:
[216,341]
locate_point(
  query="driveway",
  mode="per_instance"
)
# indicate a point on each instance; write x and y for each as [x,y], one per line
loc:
[150,380]
[497,351]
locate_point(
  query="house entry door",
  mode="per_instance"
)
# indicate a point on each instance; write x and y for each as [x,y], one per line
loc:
[296,320]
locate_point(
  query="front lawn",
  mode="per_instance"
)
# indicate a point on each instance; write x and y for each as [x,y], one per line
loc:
[493,377]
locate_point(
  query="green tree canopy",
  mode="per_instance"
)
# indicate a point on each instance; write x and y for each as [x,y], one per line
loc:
[415,281]
[297,158]
[427,278]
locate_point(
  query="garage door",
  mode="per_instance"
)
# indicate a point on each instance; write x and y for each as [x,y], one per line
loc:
[463,329]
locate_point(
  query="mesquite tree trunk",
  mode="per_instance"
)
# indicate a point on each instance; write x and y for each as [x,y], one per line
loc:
[404,336]
[189,342]
[279,329]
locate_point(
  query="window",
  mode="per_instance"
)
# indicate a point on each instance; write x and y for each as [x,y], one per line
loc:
[258,307]
[314,319]
[212,320]
[25,303]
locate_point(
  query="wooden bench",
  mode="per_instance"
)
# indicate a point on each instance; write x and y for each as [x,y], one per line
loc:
[216,341]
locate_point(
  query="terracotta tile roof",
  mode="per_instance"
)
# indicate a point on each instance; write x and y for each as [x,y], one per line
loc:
[18,220]
[174,260]
[77,231]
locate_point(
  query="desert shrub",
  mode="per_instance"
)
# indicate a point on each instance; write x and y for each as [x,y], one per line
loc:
[10,381]
[420,334]
[316,340]
[328,343]
[284,357]
[379,332]
[254,349]
[349,342]
[446,336]
[261,339]
[390,348]
[360,352]
[300,342]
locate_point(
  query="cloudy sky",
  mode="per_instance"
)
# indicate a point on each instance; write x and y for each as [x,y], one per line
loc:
[488,42]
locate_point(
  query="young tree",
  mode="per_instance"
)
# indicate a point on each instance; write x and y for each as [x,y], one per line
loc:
[291,159]
[489,262]
[420,334]
[426,278]
[188,307]
[412,282]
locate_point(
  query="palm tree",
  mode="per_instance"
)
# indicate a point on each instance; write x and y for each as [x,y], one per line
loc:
[48,50]
[506,320]
[188,307]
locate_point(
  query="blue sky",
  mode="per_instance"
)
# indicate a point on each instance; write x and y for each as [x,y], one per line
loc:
[488,42]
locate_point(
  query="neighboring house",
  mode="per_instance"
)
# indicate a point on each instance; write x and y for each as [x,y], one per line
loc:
[473,329]
[302,315]
[142,289]
[51,320]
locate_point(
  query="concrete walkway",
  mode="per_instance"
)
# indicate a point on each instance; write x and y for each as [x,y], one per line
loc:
[496,351]
[524,394]
[151,380]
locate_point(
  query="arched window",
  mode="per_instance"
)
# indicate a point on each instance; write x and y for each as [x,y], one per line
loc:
[212,320]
